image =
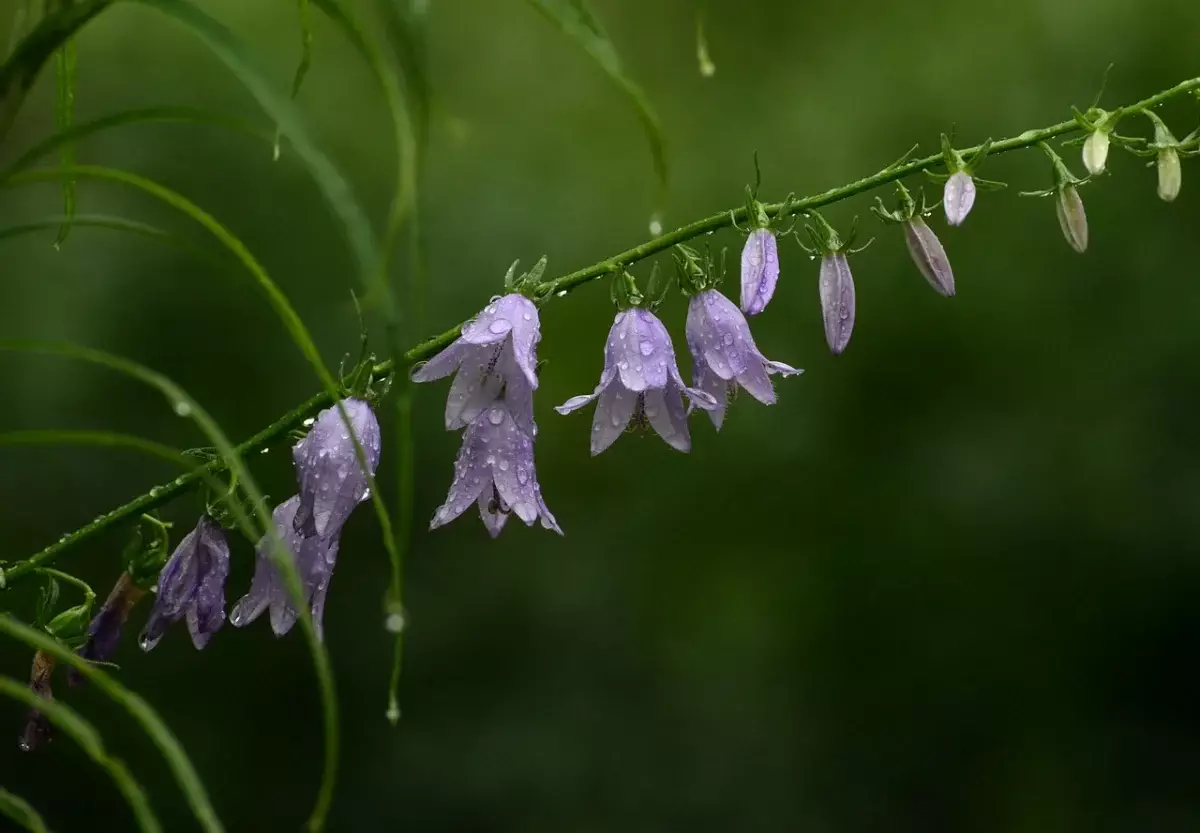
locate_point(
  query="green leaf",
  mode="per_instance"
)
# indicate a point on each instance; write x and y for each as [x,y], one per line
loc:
[64,115]
[577,22]
[104,221]
[21,812]
[19,72]
[68,721]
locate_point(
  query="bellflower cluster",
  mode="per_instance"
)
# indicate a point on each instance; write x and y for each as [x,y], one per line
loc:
[192,586]
[495,365]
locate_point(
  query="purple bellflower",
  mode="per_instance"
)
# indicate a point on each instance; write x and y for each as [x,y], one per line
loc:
[724,353]
[192,586]
[640,382]
[314,558]
[495,470]
[495,357]
[760,270]
[332,482]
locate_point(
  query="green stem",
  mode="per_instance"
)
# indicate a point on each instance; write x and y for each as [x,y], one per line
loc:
[278,430]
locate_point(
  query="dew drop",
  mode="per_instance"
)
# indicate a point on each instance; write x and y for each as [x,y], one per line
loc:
[728,339]
[656,226]
[183,409]
[394,623]
[309,422]
[496,416]
[499,326]
[503,465]
[646,347]
[562,293]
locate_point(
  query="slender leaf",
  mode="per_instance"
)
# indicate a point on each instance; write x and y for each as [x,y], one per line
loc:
[104,221]
[68,721]
[21,812]
[306,39]
[33,51]
[576,20]
[64,116]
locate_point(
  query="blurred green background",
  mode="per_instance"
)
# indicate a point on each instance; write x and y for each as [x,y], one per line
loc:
[947,584]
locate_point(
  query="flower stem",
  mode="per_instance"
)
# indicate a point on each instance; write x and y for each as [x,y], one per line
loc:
[278,430]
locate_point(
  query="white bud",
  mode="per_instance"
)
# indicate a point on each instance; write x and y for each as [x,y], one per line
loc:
[1095,152]
[1170,177]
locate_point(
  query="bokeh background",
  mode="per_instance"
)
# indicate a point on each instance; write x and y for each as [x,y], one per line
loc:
[948,583]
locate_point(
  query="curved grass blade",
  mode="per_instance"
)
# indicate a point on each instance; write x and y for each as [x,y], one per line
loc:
[64,115]
[68,721]
[245,65]
[104,439]
[404,204]
[577,22]
[33,51]
[21,812]
[104,221]
[142,115]
[185,406]
[306,40]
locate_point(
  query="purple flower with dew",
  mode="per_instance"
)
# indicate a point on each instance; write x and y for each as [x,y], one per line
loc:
[495,357]
[314,558]
[192,586]
[724,353]
[837,301]
[929,255]
[104,632]
[760,270]
[332,482]
[495,470]
[958,197]
[640,383]
[1072,218]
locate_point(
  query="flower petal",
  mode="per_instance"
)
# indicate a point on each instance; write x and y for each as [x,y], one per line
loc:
[475,387]
[471,476]
[332,482]
[491,326]
[526,333]
[443,364]
[664,409]
[613,412]
[489,509]
[717,388]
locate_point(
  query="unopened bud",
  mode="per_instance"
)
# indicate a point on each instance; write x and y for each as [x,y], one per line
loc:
[1170,176]
[837,301]
[929,255]
[1072,218]
[958,197]
[1095,152]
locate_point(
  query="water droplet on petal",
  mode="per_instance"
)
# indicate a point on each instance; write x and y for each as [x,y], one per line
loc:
[496,416]
[499,326]
[646,347]
[503,465]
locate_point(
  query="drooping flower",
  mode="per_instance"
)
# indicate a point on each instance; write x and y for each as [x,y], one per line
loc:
[314,558]
[640,382]
[495,357]
[495,470]
[105,630]
[724,354]
[760,270]
[192,586]
[929,255]
[1072,218]
[332,482]
[958,197]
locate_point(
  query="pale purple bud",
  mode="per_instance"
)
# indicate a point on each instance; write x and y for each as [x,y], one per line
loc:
[760,270]
[332,482]
[640,380]
[724,354]
[1095,152]
[192,586]
[1072,218]
[1170,176]
[837,301]
[928,254]
[958,197]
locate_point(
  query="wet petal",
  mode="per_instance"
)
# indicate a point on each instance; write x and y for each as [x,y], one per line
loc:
[717,388]
[664,409]
[472,475]
[613,412]
[489,509]
[526,334]
[444,363]
[332,482]
[492,325]
[474,388]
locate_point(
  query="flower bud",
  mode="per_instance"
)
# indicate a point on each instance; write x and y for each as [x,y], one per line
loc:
[929,255]
[837,301]
[1170,176]
[1095,152]
[958,197]
[1072,218]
